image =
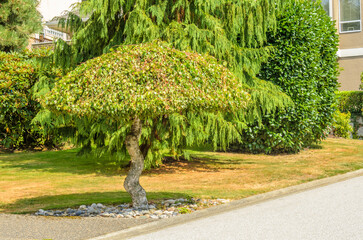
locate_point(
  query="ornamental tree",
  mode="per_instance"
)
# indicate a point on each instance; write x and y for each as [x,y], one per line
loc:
[18,19]
[234,32]
[137,85]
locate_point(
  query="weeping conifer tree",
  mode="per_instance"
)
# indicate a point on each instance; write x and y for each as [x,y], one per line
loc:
[235,32]
[147,94]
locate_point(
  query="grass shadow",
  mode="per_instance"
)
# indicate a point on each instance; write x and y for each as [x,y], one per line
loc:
[61,161]
[67,161]
[31,205]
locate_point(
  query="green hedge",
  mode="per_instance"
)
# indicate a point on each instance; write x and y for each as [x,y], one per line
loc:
[19,72]
[350,101]
[304,64]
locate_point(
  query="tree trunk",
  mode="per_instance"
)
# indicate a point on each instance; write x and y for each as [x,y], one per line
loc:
[132,184]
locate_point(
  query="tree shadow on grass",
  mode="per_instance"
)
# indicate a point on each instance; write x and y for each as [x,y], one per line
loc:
[201,163]
[67,161]
[31,205]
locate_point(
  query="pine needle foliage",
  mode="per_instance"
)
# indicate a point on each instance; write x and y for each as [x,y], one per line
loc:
[18,19]
[235,32]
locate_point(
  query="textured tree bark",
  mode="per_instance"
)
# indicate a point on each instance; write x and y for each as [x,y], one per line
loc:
[132,184]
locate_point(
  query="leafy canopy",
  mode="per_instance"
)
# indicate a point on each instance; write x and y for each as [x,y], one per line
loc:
[19,72]
[147,80]
[176,95]
[18,19]
[232,31]
[304,64]
[235,32]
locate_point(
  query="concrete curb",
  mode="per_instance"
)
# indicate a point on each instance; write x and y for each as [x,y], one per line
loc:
[165,223]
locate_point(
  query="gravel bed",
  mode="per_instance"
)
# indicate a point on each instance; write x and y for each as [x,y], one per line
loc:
[164,209]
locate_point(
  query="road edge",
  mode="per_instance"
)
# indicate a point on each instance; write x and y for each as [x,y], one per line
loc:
[170,222]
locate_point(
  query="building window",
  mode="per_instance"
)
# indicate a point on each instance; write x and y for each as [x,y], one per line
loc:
[328,7]
[350,16]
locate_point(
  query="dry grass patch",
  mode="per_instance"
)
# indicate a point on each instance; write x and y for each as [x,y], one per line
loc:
[29,181]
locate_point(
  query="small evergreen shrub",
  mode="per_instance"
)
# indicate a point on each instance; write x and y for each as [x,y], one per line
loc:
[19,72]
[341,125]
[304,64]
[350,101]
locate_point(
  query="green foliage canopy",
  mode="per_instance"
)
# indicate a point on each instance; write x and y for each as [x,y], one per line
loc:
[147,80]
[19,72]
[235,32]
[18,19]
[232,31]
[305,66]
[350,101]
[341,125]
[176,94]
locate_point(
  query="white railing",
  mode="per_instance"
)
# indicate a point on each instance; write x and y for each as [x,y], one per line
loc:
[54,33]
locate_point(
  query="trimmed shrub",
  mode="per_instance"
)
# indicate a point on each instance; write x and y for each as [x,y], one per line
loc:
[304,64]
[350,101]
[18,74]
[341,125]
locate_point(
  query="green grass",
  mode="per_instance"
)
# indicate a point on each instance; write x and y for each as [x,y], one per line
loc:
[61,179]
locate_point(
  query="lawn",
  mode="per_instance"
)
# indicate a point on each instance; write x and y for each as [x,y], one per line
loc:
[60,179]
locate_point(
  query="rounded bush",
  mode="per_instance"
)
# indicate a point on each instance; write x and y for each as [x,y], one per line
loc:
[19,72]
[304,64]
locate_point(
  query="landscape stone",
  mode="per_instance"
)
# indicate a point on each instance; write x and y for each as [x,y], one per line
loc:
[79,212]
[167,209]
[100,205]
[82,207]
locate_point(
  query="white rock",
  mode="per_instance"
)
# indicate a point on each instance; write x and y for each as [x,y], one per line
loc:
[158,212]
[100,205]
[92,210]
[170,201]
[82,207]
[143,212]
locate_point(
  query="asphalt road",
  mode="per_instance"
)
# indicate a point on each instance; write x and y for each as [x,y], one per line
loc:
[32,227]
[330,212]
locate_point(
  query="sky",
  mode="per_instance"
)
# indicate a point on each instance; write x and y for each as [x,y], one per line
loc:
[52,8]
